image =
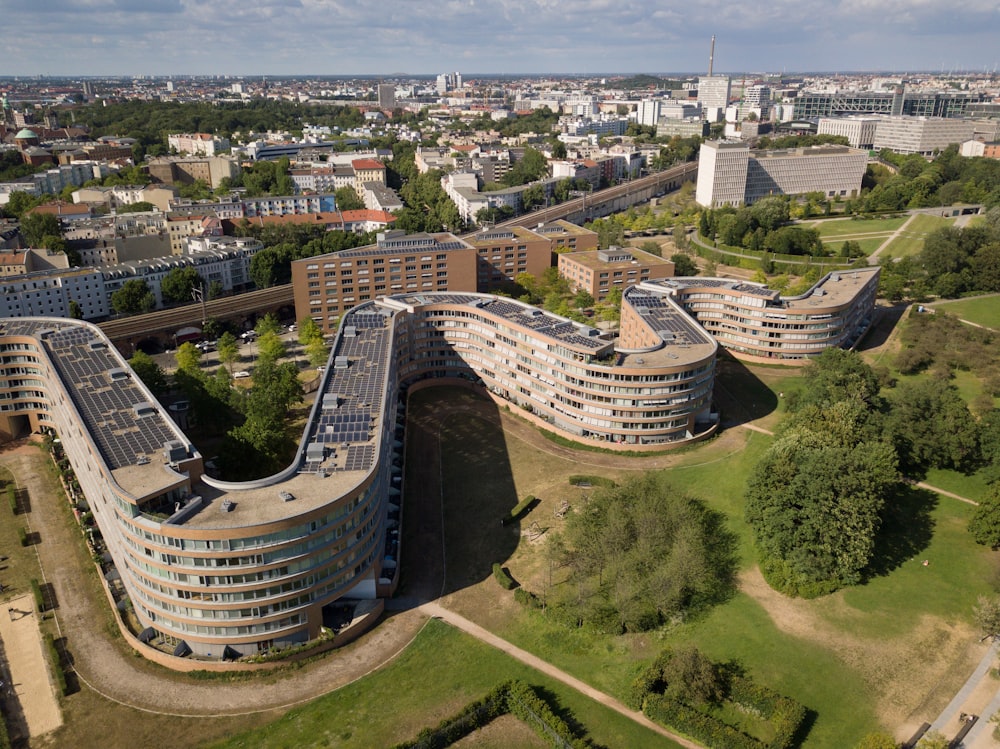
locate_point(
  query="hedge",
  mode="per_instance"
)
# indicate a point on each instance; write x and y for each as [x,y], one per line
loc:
[36,590]
[473,716]
[523,507]
[698,725]
[533,710]
[513,697]
[57,669]
[783,713]
[503,577]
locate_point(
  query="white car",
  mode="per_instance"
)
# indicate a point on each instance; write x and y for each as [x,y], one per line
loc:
[241,375]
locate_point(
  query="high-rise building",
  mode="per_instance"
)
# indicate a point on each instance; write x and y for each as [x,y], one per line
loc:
[386,95]
[757,98]
[648,112]
[713,95]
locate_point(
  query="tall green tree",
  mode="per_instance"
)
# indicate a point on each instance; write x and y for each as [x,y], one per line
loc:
[229,350]
[347,199]
[149,372]
[932,427]
[134,297]
[178,284]
[35,227]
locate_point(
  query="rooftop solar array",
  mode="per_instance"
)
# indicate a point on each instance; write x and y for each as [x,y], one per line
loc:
[719,283]
[346,424]
[115,410]
[672,325]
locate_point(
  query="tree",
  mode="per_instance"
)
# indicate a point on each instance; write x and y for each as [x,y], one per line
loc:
[984,525]
[933,740]
[178,284]
[270,346]
[188,358]
[683,265]
[267,324]
[932,426]
[770,213]
[317,352]
[347,199]
[229,350]
[837,375]
[986,614]
[140,206]
[36,226]
[149,372]
[134,297]
[692,678]
[75,310]
[652,247]
[814,501]
[641,553]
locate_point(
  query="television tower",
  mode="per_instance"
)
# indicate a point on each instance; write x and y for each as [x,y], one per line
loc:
[711,56]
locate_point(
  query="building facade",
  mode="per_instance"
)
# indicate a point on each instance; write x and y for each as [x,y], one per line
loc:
[835,171]
[600,271]
[925,136]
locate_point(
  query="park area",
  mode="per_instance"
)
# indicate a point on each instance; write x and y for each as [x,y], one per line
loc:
[888,653]
[980,310]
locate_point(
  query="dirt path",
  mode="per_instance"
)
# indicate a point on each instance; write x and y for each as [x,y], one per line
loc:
[460,622]
[102,663]
[30,682]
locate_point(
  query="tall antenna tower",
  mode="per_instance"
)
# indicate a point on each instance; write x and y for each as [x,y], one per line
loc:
[711,56]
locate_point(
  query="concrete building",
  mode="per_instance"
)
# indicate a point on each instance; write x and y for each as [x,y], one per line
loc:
[224,569]
[505,252]
[182,226]
[284,205]
[327,286]
[835,171]
[815,104]
[921,135]
[198,144]
[174,170]
[859,130]
[387,95]
[49,293]
[600,271]
[668,127]
[647,112]
[713,95]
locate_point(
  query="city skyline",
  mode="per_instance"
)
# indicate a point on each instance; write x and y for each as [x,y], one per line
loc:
[512,37]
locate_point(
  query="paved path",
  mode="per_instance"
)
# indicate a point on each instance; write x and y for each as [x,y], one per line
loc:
[27,660]
[968,700]
[873,258]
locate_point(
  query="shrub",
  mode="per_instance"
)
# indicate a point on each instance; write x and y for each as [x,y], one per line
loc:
[523,507]
[57,669]
[36,590]
[22,535]
[533,710]
[698,725]
[527,598]
[503,577]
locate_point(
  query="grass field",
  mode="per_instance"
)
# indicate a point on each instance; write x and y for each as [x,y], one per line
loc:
[868,244]
[911,240]
[982,310]
[441,672]
[860,640]
[851,227]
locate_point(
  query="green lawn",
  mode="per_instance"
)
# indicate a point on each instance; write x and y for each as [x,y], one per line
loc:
[868,245]
[441,672]
[982,310]
[971,487]
[848,227]
[911,240]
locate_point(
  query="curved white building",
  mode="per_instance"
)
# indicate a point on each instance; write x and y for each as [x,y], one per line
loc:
[237,568]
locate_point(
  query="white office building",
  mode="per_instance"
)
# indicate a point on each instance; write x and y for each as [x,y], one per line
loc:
[648,112]
[730,173]
[859,131]
[921,135]
[713,95]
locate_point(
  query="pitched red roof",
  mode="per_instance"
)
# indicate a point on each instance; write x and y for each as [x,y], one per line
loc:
[367,215]
[367,164]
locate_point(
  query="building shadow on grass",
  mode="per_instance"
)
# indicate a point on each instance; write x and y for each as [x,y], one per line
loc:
[459,492]
[906,530]
[740,396]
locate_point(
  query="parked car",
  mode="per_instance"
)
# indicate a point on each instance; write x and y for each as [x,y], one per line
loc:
[179,407]
[241,375]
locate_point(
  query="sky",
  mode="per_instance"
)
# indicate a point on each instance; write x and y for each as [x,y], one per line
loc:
[505,37]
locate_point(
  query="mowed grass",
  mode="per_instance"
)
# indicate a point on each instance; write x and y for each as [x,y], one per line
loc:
[868,245]
[441,672]
[850,227]
[982,310]
[911,240]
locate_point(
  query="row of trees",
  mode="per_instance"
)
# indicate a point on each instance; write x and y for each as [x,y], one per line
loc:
[762,226]
[917,183]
